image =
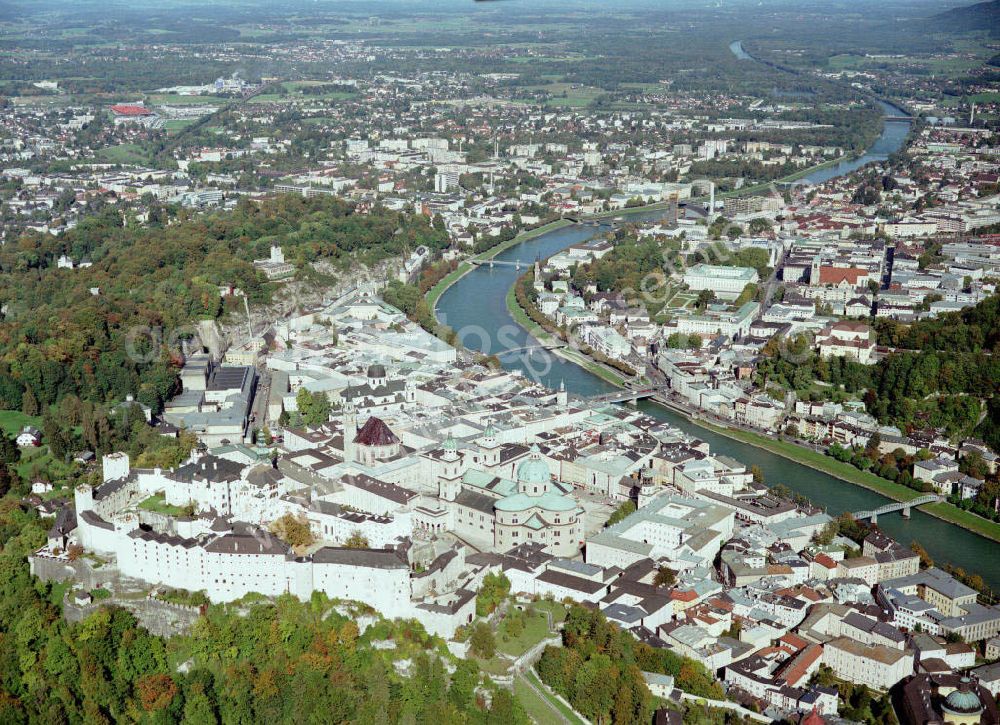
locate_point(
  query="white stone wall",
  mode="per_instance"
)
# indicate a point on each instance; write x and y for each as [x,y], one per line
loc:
[387,590]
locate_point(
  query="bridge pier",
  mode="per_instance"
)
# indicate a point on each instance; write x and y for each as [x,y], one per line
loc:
[906,512]
[874,518]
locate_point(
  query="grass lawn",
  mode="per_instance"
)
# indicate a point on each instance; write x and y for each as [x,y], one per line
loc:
[126,153]
[576,96]
[535,630]
[177,124]
[100,593]
[157,504]
[599,370]
[175,99]
[318,120]
[680,300]
[58,592]
[435,292]
[32,460]
[624,213]
[495,666]
[557,609]
[523,237]
[540,709]
[293,92]
[567,712]
[537,708]
[521,318]
[12,421]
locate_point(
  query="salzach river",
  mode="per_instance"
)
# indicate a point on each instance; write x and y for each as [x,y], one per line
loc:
[475,306]
[892,137]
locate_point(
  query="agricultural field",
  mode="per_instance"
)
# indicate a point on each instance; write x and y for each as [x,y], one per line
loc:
[294,91]
[176,99]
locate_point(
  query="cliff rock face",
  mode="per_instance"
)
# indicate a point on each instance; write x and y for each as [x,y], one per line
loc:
[211,337]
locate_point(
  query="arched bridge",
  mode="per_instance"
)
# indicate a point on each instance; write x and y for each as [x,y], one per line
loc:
[903,506]
[624,396]
[531,348]
[516,264]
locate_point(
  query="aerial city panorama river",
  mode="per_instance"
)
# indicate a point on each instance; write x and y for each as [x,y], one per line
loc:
[475,306]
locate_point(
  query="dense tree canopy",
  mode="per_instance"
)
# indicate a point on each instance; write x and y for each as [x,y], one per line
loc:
[599,670]
[279,662]
[102,332]
[943,374]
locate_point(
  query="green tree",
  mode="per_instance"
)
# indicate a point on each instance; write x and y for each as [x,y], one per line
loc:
[494,589]
[313,407]
[482,641]
[623,511]
[356,540]
[665,577]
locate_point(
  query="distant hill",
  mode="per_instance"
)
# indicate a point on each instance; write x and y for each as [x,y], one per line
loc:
[981,16]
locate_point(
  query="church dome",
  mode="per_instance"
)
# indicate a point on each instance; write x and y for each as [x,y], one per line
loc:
[534,470]
[450,444]
[964,700]
[376,372]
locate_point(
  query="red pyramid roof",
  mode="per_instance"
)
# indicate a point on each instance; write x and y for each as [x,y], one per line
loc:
[375,433]
[813,718]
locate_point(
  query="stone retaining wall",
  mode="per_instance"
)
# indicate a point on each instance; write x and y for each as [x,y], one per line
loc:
[161,618]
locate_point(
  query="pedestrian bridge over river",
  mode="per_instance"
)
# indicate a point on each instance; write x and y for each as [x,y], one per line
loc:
[889,508]
[516,264]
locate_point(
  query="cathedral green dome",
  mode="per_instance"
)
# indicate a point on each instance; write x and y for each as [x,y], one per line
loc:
[534,470]
[964,700]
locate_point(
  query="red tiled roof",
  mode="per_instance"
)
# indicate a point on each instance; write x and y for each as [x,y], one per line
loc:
[836,275]
[794,640]
[375,433]
[795,668]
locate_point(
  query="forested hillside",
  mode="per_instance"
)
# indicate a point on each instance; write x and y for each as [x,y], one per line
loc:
[945,373]
[274,663]
[949,363]
[64,332]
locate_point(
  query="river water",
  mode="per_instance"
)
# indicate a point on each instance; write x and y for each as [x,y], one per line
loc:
[892,137]
[475,306]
